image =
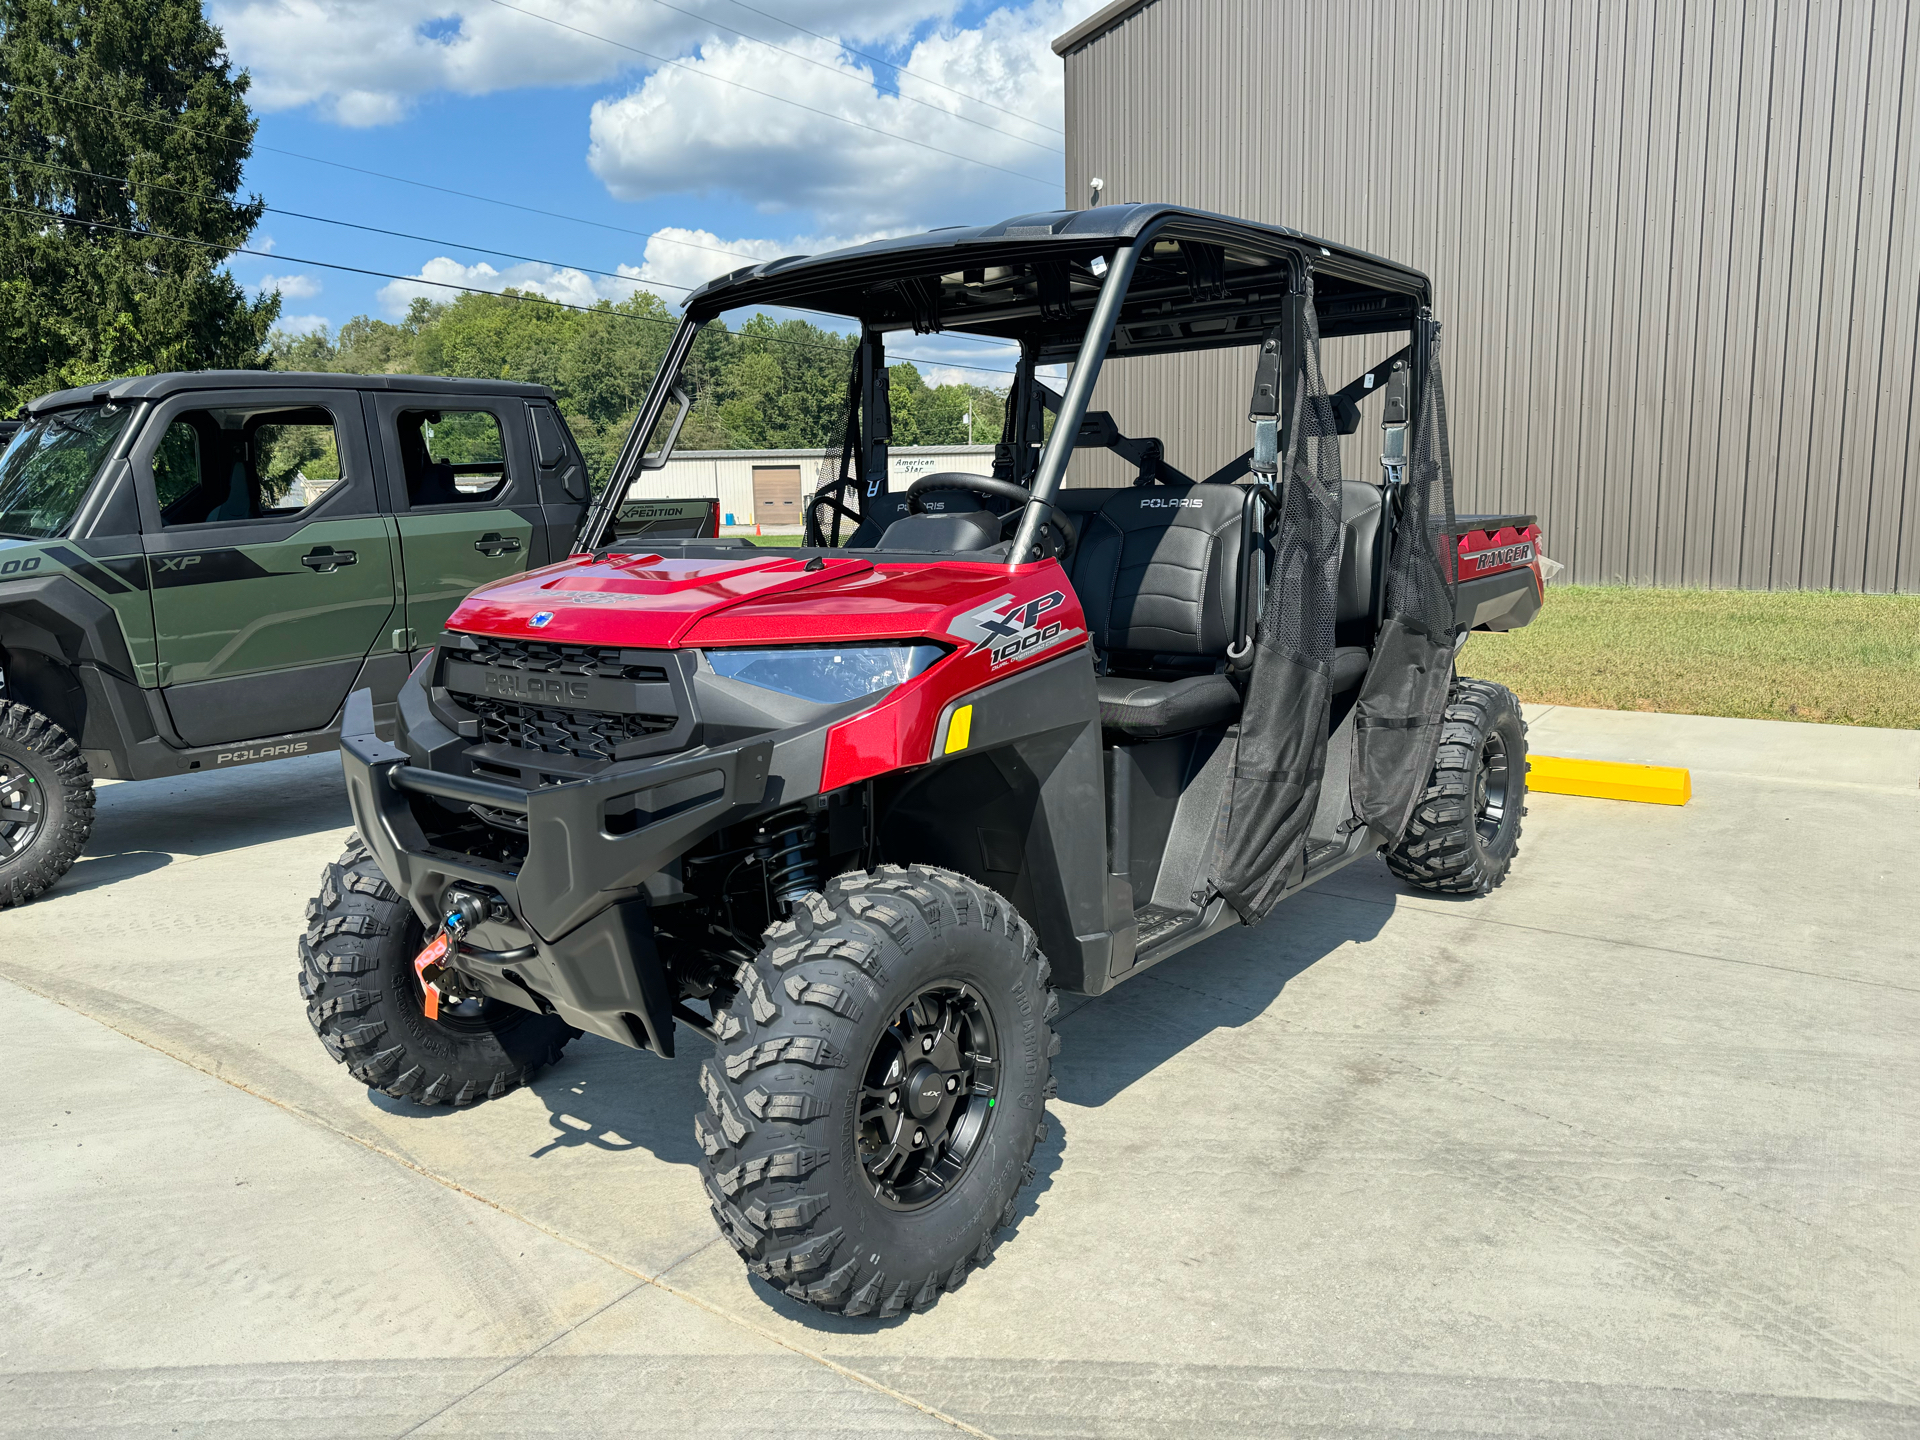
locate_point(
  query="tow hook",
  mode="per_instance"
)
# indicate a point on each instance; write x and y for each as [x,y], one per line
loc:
[430,965]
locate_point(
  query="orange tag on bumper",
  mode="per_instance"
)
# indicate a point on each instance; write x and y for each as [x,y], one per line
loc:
[430,955]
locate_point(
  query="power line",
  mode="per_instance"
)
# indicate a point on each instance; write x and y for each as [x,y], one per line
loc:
[398,180]
[768,94]
[855,79]
[901,69]
[443,284]
[125,181]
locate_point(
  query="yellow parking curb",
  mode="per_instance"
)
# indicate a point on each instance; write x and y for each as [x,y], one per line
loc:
[1609,780]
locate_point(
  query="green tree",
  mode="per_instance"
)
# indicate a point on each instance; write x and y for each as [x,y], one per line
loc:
[935,414]
[771,384]
[135,88]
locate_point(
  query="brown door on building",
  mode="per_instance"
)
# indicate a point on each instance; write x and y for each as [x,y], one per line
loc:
[777,495]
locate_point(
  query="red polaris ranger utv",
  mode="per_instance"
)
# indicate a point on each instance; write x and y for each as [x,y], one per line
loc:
[851,812]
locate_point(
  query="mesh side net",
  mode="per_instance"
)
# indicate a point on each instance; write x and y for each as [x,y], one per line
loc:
[1281,749]
[1399,713]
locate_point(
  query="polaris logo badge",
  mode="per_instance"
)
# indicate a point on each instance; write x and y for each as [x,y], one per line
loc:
[1170,503]
[1008,629]
[507,683]
[541,618]
[261,753]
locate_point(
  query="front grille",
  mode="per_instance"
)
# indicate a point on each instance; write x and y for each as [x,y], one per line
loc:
[558,659]
[553,730]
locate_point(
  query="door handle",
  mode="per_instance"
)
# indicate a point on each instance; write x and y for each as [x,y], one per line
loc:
[494,543]
[327,560]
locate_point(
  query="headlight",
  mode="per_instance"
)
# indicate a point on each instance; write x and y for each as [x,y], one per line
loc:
[826,674]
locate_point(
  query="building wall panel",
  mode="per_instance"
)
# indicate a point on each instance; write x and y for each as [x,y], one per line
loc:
[1673,246]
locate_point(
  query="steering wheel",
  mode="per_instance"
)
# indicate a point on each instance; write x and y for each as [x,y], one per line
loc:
[829,495]
[988,485]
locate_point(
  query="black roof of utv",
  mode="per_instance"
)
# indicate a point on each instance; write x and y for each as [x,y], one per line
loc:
[1035,276]
[172,382]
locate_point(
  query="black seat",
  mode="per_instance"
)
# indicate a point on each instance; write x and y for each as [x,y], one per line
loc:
[1139,709]
[1157,570]
[883,510]
[1354,598]
[943,534]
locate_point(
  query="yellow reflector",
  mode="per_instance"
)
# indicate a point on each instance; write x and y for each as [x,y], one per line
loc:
[1609,780]
[958,728]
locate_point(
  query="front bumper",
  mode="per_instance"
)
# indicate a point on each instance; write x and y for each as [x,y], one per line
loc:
[584,940]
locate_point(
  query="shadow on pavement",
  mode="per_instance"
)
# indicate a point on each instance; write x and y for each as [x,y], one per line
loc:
[608,1097]
[1115,1039]
[201,815]
[106,868]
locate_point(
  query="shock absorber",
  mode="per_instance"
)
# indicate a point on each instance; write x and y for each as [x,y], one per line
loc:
[790,858]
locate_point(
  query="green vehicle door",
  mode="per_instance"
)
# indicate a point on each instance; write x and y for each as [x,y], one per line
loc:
[461,482]
[272,567]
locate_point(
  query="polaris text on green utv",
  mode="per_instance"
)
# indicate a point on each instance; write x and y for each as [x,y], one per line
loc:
[850,814]
[196,569]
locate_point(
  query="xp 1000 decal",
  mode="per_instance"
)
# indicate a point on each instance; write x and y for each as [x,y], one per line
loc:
[1009,629]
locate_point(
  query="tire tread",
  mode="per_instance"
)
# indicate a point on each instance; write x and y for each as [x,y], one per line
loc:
[1440,850]
[68,822]
[761,1144]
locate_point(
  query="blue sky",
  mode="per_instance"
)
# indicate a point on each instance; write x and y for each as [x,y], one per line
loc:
[672,161]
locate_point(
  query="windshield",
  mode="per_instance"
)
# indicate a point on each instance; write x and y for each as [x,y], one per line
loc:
[49,465]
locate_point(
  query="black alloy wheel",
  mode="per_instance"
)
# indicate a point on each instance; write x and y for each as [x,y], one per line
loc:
[928,1096]
[1490,788]
[21,808]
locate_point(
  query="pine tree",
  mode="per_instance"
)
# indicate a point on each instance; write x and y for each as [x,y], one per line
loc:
[133,88]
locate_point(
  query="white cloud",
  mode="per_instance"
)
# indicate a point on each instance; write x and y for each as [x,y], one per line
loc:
[572,286]
[290,287]
[681,259]
[364,62]
[301,324]
[675,261]
[685,131]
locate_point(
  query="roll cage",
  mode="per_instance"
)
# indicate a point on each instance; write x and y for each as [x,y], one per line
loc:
[1079,287]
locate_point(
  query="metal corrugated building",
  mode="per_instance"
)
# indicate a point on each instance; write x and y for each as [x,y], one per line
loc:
[1673,245]
[729,474]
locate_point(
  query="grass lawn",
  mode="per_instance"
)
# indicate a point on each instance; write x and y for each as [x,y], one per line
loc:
[1770,655]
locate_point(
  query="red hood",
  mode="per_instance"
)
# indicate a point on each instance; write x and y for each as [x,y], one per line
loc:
[646,602]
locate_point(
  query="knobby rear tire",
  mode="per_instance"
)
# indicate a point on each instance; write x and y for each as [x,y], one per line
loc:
[1444,849]
[55,772]
[780,1133]
[364,1000]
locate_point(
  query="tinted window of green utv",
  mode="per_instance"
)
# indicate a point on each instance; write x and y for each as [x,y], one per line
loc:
[176,464]
[220,465]
[452,456]
[50,464]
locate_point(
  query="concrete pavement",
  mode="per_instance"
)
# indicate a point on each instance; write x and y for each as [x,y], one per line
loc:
[1628,1147]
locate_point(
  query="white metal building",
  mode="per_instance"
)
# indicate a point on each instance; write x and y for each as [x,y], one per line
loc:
[764,487]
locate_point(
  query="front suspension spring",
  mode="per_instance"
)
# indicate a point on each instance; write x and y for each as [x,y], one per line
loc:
[792,865]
